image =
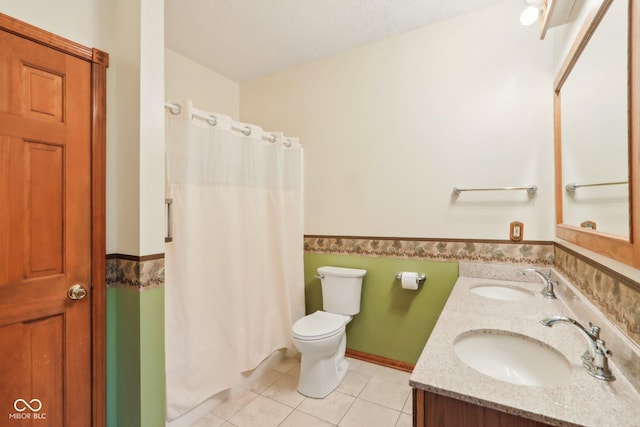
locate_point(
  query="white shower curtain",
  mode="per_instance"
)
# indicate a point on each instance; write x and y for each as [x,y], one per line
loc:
[234,271]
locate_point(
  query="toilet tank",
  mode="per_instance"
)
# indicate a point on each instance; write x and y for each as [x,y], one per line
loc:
[341,289]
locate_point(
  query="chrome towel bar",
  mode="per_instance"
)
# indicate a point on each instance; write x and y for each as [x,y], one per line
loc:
[531,189]
[571,187]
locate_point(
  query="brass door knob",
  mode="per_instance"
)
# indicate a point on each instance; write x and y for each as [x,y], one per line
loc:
[77,292]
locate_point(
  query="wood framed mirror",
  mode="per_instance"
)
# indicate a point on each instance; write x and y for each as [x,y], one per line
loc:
[622,247]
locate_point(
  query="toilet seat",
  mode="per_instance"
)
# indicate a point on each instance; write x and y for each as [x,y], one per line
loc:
[319,325]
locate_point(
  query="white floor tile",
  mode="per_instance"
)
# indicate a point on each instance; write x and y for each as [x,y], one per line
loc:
[387,393]
[405,420]
[392,375]
[229,407]
[265,381]
[209,420]
[353,383]
[332,408]
[362,366]
[295,369]
[368,414]
[284,391]
[369,396]
[286,365]
[408,404]
[300,419]
[261,412]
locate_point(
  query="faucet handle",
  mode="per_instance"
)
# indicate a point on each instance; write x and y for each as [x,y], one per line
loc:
[596,358]
[594,330]
[600,346]
[599,366]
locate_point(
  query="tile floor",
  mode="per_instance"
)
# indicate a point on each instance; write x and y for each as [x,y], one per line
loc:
[369,396]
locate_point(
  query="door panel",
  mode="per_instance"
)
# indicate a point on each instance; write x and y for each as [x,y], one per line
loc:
[44,197]
[45,235]
[43,94]
[4,81]
[33,369]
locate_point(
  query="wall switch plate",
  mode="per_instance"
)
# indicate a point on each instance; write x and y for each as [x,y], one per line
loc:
[516,231]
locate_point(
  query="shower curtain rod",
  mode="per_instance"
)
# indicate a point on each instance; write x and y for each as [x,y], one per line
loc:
[176,109]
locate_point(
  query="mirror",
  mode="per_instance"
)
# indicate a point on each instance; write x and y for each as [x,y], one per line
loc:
[594,121]
[596,134]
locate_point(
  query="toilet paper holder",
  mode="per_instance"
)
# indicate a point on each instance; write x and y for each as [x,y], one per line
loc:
[419,280]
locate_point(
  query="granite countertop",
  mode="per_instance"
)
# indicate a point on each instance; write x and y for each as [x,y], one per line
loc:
[581,400]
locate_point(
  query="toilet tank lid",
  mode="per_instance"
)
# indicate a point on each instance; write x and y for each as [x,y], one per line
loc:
[342,271]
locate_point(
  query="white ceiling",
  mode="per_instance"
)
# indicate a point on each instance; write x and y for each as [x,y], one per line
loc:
[245,39]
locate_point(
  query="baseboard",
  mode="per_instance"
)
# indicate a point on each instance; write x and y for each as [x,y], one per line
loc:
[378,360]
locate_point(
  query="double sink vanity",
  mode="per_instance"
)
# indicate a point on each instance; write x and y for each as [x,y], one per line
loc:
[491,360]
[501,354]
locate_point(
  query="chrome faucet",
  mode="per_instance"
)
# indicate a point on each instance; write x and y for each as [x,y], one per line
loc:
[547,291]
[595,358]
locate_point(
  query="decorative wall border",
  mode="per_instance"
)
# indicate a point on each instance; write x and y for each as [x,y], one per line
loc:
[135,272]
[617,296]
[147,272]
[614,294]
[495,251]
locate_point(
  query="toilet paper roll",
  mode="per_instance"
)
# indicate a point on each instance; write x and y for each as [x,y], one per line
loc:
[409,280]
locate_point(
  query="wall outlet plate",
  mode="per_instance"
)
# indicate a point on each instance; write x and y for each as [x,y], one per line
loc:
[591,225]
[516,231]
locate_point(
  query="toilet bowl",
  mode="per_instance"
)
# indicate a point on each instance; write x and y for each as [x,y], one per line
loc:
[321,339]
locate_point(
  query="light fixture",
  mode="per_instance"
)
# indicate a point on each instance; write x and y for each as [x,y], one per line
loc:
[531,13]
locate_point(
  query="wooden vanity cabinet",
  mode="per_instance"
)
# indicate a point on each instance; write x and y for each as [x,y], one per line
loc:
[434,410]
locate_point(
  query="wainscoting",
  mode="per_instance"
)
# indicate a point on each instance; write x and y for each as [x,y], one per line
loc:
[617,296]
[135,340]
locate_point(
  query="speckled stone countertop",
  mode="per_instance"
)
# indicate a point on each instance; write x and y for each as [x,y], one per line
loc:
[581,400]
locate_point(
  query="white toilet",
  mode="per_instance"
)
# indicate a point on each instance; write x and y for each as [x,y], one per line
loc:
[320,337]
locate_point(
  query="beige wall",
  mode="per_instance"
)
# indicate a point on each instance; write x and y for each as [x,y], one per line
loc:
[564,35]
[133,35]
[135,133]
[186,79]
[83,21]
[389,128]
[151,224]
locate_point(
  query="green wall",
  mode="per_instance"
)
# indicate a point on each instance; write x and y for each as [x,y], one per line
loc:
[112,354]
[152,373]
[394,323]
[135,357]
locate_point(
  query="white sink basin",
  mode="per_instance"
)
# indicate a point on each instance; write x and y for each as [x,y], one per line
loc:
[502,292]
[513,358]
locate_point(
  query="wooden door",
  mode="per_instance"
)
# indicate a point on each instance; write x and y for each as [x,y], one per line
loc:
[45,236]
